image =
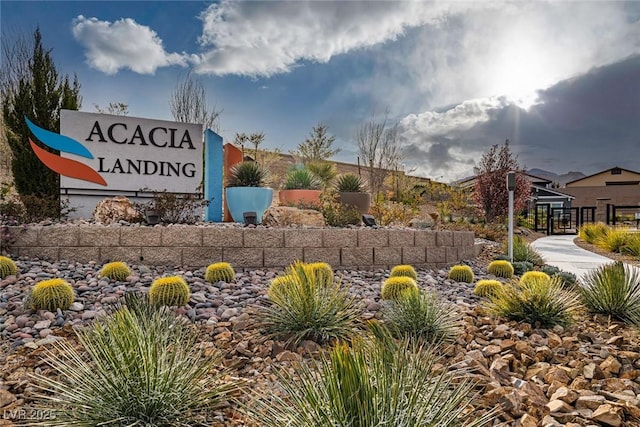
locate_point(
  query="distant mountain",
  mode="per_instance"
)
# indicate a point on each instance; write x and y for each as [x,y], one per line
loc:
[554,177]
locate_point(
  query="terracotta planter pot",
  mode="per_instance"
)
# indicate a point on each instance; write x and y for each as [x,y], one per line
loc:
[295,197]
[362,201]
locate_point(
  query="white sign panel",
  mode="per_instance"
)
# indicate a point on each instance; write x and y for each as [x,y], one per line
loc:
[131,153]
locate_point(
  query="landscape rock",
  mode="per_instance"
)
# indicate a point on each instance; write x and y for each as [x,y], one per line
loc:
[285,216]
[116,209]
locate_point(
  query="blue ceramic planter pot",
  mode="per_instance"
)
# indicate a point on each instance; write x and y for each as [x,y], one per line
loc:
[248,199]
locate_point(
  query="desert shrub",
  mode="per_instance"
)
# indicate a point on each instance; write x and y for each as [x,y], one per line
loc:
[486,287]
[592,232]
[115,271]
[534,275]
[523,251]
[51,295]
[421,316]
[337,214]
[219,272]
[7,267]
[613,289]
[375,382]
[461,273]
[169,291]
[521,267]
[394,287]
[632,245]
[539,302]
[303,309]
[141,365]
[613,240]
[568,279]
[500,268]
[404,270]
[392,213]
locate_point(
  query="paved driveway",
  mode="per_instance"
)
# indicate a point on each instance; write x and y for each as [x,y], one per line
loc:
[561,252]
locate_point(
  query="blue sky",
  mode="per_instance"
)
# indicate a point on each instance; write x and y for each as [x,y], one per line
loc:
[560,80]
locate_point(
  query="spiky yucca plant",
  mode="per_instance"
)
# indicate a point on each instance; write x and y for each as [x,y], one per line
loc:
[219,272]
[350,183]
[394,287]
[461,273]
[404,270]
[7,267]
[422,316]
[301,179]
[247,174]
[169,291]
[51,295]
[534,275]
[373,382]
[304,309]
[613,289]
[591,232]
[500,268]
[321,272]
[543,302]
[115,271]
[141,365]
[487,287]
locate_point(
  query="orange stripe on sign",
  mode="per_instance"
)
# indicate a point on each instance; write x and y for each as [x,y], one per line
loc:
[67,167]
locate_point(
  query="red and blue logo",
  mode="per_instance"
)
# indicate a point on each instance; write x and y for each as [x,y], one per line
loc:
[61,165]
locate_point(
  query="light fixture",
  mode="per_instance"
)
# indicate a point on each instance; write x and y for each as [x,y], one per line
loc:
[369,221]
[250,218]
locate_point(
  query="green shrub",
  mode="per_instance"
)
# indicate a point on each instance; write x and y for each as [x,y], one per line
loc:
[534,275]
[301,179]
[538,302]
[613,240]
[613,289]
[422,316]
[337,214]
[51,295]
[405,271]
[485,288]
[568,279]
[7,267]
[461,273]
[500,268]
[394,287]
[592,232]
[521,267]
[523,251]
[169,291]
[304,309]
[219,272]
[115,271]
[141,365]
[375,382]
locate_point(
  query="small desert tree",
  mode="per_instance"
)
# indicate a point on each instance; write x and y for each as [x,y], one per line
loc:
[490,189]
[318,147]
[188,104]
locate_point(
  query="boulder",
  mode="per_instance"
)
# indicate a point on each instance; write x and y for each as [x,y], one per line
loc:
[116,209]
[284,216]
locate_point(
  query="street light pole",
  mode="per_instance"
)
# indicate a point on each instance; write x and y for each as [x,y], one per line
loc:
[511,186]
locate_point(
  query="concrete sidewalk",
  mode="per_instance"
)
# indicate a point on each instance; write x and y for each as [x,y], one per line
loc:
[560,251]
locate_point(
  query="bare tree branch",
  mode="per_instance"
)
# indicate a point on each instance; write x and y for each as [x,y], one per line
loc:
[188,104]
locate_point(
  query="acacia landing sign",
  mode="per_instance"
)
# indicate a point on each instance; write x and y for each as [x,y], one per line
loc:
[131,153]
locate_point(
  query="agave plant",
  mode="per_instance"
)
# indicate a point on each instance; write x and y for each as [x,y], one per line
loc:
[350,183]
[247,174]
[373,382]
[301,179]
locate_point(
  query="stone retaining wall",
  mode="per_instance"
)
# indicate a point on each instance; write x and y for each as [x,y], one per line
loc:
[195,246]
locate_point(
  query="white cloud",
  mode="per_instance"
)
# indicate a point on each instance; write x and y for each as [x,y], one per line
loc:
[123,44]
[268,38]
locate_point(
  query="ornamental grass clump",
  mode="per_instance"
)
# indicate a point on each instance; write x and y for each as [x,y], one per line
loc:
[500,268]
[461,273]
[404,271]
[115,271]
[374,382]
[394,287]
[540,302]
[219,272]
[614,290]
[7,267]
[422,316]
[302,308]
[169,291]
[51,295]
[523,251]
[613,240]
[592,231]
[139,366]
[487,287]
